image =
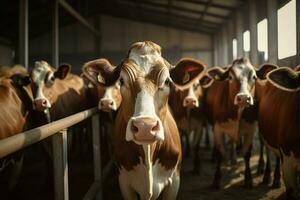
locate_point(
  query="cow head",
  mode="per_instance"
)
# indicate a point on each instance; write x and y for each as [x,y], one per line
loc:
[43,78]
[242,79]
[109,95]
[145,79]
[194,94]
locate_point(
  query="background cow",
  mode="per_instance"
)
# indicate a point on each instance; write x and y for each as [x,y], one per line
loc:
[146,140]
[279,122]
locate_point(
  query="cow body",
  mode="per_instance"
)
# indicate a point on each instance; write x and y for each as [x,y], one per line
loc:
[279,122]
[146,139]
[225,100]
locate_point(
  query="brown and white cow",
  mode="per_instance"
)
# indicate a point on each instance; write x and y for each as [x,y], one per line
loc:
[279,122]
[16,116]
[146,140]
[225,100]
[188,114]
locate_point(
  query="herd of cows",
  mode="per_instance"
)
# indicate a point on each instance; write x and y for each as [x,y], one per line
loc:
[156,105]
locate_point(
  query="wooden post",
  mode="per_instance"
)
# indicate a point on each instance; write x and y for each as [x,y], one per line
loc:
[97,152]
[60,165]
[239,34]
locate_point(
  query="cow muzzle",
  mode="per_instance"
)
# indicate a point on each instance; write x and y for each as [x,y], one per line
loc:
[190,102]
[41,104]
[144,130]
[243,100]
[107,105]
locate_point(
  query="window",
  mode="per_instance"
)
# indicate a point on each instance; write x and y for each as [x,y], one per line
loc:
[246,40]
[286,28]
[262,38]
[234,48]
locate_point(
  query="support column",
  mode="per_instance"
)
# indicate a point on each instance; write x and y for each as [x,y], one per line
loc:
[298,31]
[23,33]
[55,34]
[239,34]
[230,30]
[253,32]
[224,46]
[98,38]
[272,31]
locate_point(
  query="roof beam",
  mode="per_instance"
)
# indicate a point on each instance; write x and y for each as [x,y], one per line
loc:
[225,7]
[173,7]
[176,17]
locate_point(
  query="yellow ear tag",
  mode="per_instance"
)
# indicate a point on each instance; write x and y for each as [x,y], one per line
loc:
[186,78]
[100,79]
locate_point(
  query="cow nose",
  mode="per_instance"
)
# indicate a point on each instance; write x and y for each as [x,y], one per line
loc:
[243,100]
[106,104]
[190,102]
[145,129]
[40,104]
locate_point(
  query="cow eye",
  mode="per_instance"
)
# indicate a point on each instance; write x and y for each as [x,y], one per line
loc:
[121,81]
[52,78]
[230,77]
[167,82]
[254,78]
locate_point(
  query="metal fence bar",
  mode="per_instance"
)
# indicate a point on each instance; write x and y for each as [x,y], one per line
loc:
[60,165]
[14,143]
[96,152]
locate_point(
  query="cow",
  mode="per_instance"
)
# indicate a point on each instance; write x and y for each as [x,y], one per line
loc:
[188,114]
[146,140]
[224,103]
[278,118]
[16,116]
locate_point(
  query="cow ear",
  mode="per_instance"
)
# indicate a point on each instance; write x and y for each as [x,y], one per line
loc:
[297,69]
[21,79]
[217,73]
[261,73]
[62,71]
[186,72]
[100,71]
[285,78]
[206,81]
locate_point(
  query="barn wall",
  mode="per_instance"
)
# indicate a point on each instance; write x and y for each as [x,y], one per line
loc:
[77,44]
[6,55]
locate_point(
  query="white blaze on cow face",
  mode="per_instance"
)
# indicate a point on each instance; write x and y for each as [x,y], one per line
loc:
[42,76]
[109,102]
[191,100]
[245,76]
[145,125]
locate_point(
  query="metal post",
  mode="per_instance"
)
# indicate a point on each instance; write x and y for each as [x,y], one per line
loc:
[23,33]
[229,40]
[298,31]
[239,34]
[60,165]
[55,34]
[272,31]
[224,45]
[253,32]
[96,152]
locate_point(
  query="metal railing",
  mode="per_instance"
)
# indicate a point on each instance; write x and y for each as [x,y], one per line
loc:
[58,131]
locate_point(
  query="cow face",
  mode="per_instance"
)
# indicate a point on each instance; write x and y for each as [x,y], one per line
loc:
[43,77]
[109,96]
[145,79]
[242,79]
[193,96]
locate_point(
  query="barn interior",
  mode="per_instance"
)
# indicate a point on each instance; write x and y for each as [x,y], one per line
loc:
[214,31]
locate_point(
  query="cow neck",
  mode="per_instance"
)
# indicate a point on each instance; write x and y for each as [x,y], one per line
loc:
[176,103]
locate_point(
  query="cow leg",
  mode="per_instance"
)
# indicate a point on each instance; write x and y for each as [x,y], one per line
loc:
[218,175]
[261,161]
[289,173]
[277,176]
[233,156]
[196,147]
[171,191]
[267,172]
[187,147]
[248,177]
[206,130]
